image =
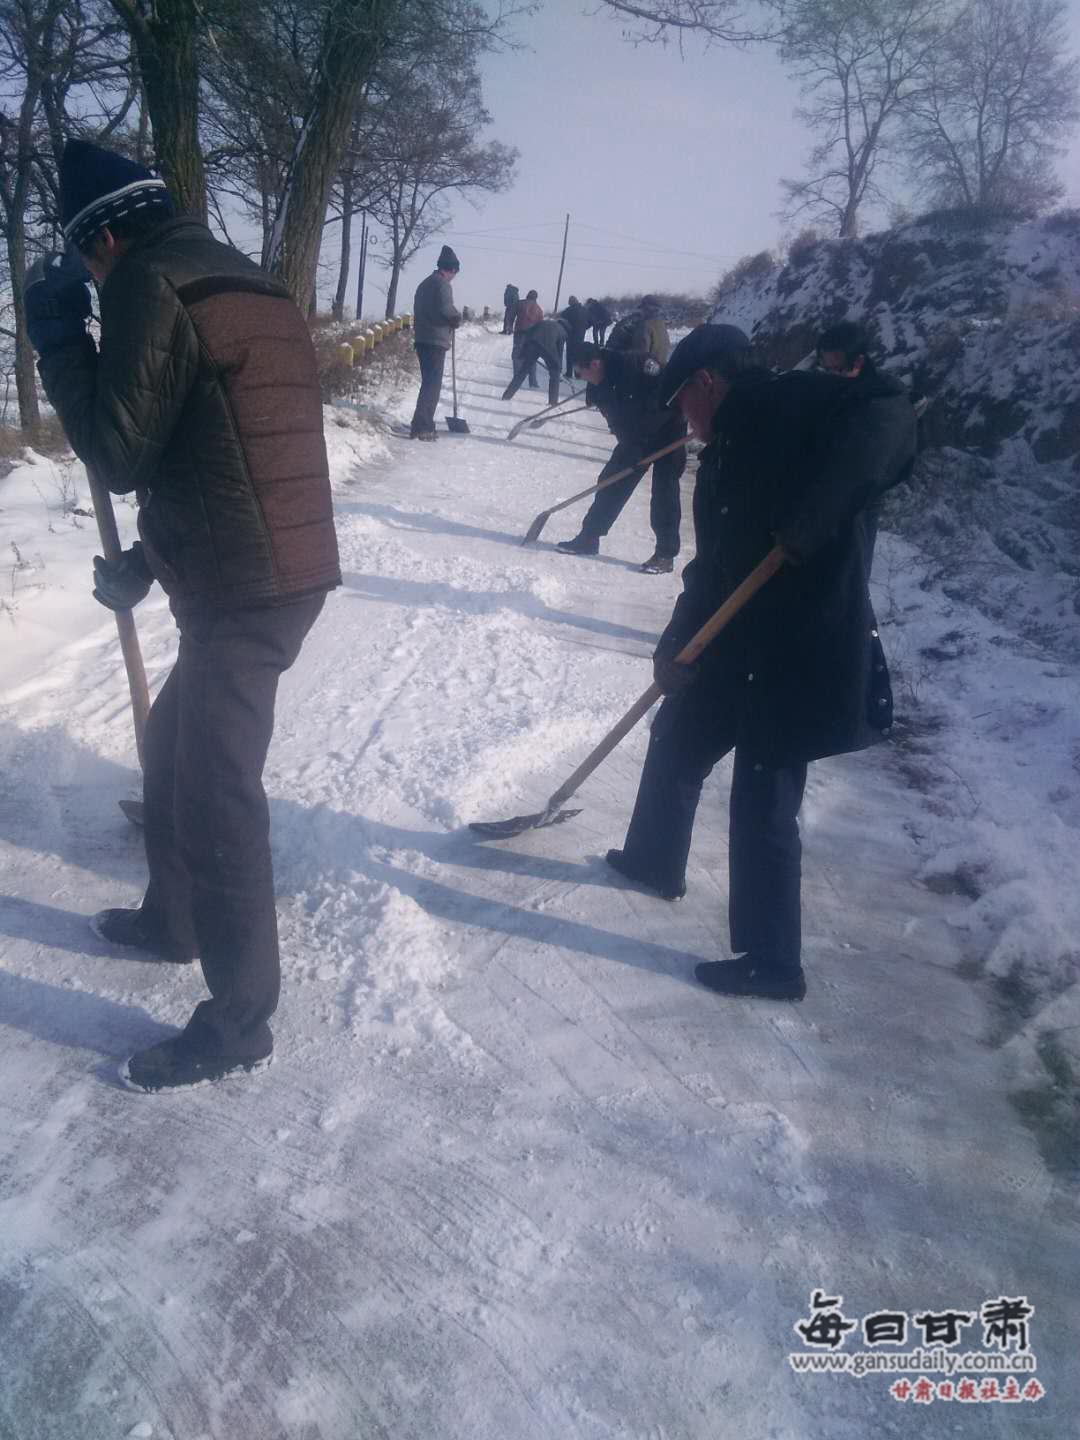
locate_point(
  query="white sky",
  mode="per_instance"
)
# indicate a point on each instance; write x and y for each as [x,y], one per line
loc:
[652,154]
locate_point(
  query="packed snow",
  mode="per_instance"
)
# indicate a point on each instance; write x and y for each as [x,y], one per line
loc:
[513,1175]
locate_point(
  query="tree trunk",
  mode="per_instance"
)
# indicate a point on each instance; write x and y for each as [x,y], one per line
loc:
[391,289]
[351,45]
[25,373]
[361,268]
[165,38]
[346,249]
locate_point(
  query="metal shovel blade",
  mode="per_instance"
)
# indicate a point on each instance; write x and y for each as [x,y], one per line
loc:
[507,829]
[456,425]
[533,532]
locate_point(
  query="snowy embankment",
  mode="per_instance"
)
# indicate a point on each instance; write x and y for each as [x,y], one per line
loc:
[512,1175]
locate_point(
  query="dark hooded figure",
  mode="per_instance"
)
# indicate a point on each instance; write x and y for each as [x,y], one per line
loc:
[577,322]
[599,318]
[800,673]
[510,307]
[203,399]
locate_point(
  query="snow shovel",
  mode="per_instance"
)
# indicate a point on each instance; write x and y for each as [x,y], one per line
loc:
[516,430]
[552,814]
[454,423]
[125,627]
[543,420]
[533,532]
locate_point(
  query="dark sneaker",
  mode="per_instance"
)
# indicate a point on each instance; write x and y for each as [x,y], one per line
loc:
[580,545]
[743,977]
[129,928]
[658,565]
[618,861]
[174,1065]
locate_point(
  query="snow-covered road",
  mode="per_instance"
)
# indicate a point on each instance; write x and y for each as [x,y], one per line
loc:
[513,1175]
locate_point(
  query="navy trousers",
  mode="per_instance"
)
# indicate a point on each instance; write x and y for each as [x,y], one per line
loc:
[665,506]
[764,849]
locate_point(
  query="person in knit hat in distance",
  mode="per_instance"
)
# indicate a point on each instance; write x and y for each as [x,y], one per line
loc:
[434,320]
[203,399]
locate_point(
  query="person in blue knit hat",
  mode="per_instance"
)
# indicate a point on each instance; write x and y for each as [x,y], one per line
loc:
[204,400]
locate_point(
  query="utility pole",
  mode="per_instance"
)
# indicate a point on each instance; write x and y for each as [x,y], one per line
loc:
[363,266]
[562,262]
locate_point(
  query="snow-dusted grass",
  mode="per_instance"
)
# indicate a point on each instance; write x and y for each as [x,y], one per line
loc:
[512,1175]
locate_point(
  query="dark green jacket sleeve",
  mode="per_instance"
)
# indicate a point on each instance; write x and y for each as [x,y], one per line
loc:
[120,404]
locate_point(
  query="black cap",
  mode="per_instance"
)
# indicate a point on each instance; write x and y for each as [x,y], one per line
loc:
[447,260]
[700,350]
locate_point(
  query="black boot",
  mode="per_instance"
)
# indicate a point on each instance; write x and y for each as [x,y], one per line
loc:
[618,861]
[131,928]
[744,976]
[658,564]
[580,545]
[176,1065]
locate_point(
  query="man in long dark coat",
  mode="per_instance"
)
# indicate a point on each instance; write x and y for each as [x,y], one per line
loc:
[800,673]
[203,399]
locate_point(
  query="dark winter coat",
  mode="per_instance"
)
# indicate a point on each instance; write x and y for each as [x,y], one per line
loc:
[598,314]
[204,397]
[510,295]
[577,321]
[434,313]
[629,399]
[545,341]
[800,673]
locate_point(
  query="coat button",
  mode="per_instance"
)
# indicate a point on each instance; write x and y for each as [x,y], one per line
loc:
[879,668]
[873,635]
[750,676]
[759,767]
[723,509]
[883,701]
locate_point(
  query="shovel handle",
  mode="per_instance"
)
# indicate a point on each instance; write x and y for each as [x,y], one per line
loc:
[125,620]
[517,429]
[619,475]
[690,652]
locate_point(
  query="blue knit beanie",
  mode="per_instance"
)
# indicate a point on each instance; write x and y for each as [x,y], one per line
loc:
[98,186]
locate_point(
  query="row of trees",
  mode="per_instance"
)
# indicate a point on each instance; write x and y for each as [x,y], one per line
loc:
[283,116]
[969,99]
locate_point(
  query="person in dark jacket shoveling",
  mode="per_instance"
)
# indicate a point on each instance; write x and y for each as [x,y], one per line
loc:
[800,673]
[625,387]
[203,398]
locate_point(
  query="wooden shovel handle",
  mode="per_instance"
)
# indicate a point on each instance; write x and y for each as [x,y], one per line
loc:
[619,475]
[689,653]
[125,620]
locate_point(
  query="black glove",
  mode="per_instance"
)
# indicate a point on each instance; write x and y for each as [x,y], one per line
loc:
[671,676]
[57,300]
[119,584]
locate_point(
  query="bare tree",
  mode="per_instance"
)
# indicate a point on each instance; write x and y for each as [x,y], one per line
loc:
[428,136]
[1000,92]
[721,22]
[166,34]
[858,62]
[50,51]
